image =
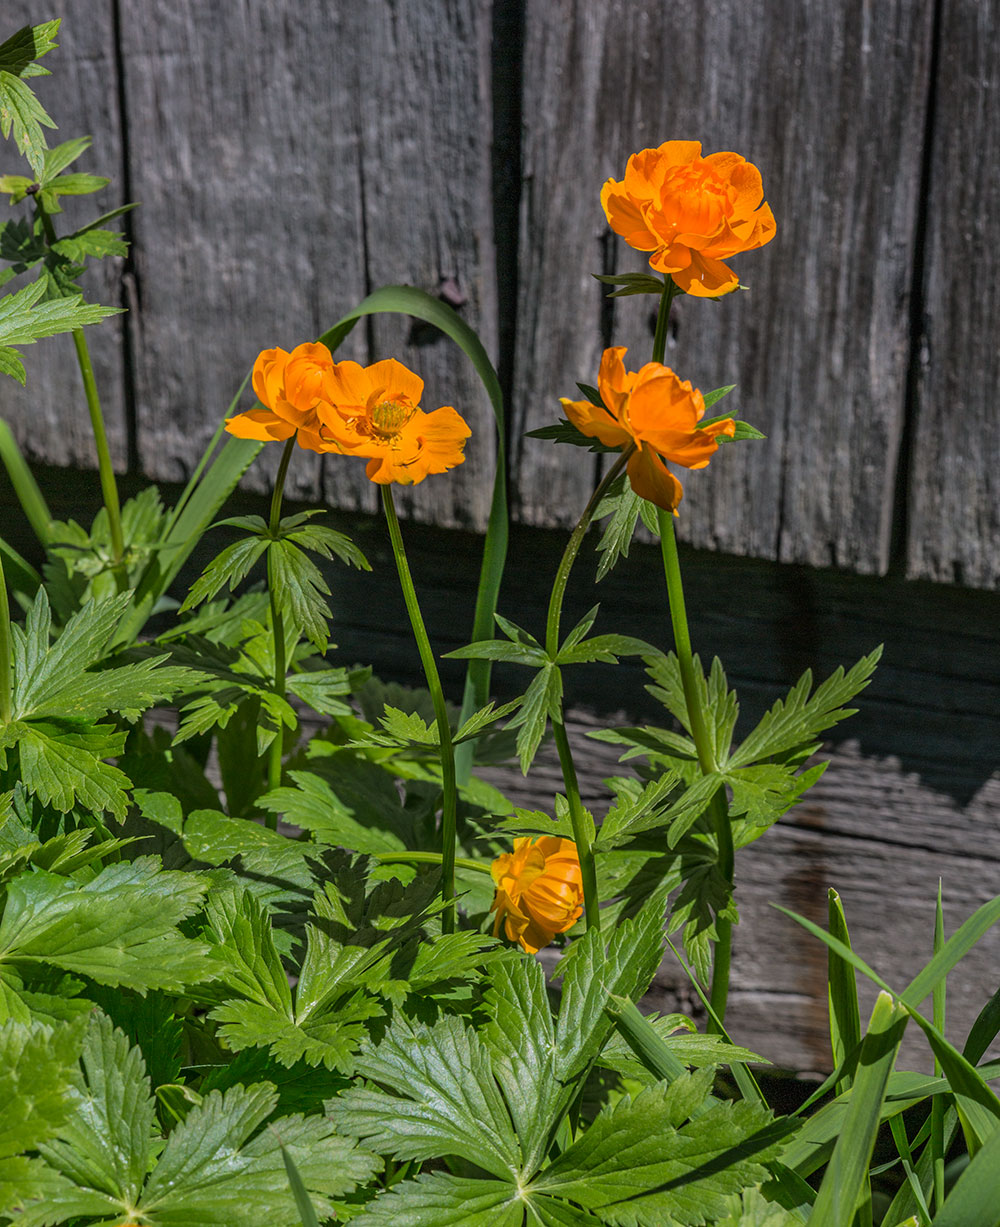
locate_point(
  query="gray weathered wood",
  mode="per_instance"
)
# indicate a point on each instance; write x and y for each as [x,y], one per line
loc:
[954,493]
[821,100]
[287,166]
[49,416]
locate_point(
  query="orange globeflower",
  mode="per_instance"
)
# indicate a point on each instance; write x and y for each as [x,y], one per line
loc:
[539,890]
[291,387]
[374,412]
[658,413]
[690,212]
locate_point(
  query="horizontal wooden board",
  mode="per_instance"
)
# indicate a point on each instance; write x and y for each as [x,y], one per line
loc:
[954,491]
[49,415]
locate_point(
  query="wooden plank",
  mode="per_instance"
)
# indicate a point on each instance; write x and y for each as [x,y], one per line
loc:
[954,505]
[49,416]
[280,187]
[833,115]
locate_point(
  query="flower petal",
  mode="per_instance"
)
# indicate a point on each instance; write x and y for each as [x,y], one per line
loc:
[652,480]
[259,424]
[625,217]
[706,278]
[268,375]
[399,382]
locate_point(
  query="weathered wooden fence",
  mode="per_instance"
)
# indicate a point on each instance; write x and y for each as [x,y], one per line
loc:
[291,157]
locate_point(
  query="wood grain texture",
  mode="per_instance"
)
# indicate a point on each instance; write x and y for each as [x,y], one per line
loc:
[49,416]
[305,157]
[954,492]
[821,98]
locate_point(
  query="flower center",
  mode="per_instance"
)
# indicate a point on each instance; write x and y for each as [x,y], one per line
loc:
[389,417]
[694,200]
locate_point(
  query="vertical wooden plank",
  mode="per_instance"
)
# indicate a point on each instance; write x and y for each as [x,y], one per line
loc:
[954,492]
[821,99]
[425,124]
[289,162]
[49,416]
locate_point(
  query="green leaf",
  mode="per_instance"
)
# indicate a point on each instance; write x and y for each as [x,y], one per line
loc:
[229,567]
[791,726]
[21,112]
[76,185]
[973,1200]
[663,1156]
[565,432]
[542,699]
[298,588]
[37,1069]
[441,1100]
[622,504]
[347,803]
[631,283]
[716,395]
[443,1200]
[61,156]
[118,928]
[604,648]
[846,1177]
[842,994]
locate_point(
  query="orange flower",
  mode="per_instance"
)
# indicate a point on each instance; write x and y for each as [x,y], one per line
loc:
[539,890]
[657,412]
[374,412]
[690,212]
[291,387]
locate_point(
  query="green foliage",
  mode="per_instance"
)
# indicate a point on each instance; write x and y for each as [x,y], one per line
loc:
[218,1165]
[24,320]
[20,110]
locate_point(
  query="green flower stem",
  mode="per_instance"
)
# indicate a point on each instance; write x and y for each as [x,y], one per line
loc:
[277,628]
[718,810]
[109,487]
[6,674]
[429,858]
[584,831]
[448,781]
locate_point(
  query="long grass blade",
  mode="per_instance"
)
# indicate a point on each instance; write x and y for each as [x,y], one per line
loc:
[975,1199]
[408,300]
[937,1103]
[303,1203]
[846,1177]
[647,1044]
[842,994]
[25,487]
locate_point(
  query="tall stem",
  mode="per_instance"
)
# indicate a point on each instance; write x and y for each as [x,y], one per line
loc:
[6,674]
[718,810]
[584,831]
[109,487]
[449,803]
[277,627]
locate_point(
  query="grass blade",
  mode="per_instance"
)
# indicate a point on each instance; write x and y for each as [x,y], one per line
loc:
[842,994]
[302,1202]
[925,981]
[407,300]
[846,1177]
[975,1199]
[25,487]
[647,1044]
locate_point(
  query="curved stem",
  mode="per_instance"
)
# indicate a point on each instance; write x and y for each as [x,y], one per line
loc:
[109,487]
[573,548]
[6,673]
[277,629]
[670,292]
[449,804]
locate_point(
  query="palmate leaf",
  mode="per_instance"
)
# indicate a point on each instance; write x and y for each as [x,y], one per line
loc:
[119,928]
[299,588]
[442,1200]
[646,1159]
[217,1166]
[444,1099]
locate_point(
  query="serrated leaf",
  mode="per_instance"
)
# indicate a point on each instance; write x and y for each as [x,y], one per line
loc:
[229,567]
[325,689]
[442,1200]
[328,543]
[794,722]
[623,505]
[606,649]
[542,699]
[564,431]
[64,766]
[298,587]
[118,928]
[62,155]
[37,1072]
[22,113]
[443,1100]
[24,319]
[650,1157]
[11,364]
